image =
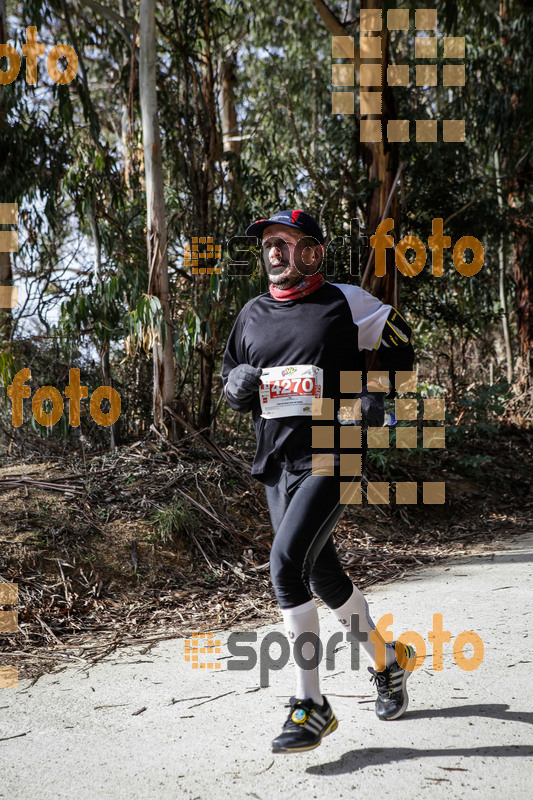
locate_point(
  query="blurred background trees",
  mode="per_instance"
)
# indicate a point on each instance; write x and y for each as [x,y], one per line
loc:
[191,119]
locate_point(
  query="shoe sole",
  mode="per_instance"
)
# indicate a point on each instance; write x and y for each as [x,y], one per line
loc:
[403,708]
[333,725]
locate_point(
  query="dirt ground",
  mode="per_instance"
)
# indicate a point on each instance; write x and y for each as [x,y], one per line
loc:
[149,542]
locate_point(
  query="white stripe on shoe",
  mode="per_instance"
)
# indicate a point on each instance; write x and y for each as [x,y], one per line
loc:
[313,725]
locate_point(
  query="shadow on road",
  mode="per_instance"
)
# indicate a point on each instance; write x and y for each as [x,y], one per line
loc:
[356,760]
[494,710]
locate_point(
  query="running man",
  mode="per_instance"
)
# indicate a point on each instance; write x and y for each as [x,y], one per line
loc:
[323,328]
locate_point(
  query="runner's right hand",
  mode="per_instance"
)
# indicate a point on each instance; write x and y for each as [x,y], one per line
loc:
[243,381]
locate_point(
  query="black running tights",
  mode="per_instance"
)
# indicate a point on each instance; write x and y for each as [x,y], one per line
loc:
[304,509]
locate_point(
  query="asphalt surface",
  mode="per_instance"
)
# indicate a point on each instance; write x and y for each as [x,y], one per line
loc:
[150,726]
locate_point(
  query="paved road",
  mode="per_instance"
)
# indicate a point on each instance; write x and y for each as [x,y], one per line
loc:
[205,734]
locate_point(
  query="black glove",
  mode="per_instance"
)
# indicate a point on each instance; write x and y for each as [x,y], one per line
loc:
[243,381]
[372,409]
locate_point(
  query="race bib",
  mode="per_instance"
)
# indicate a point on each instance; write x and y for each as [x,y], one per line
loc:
[288,391]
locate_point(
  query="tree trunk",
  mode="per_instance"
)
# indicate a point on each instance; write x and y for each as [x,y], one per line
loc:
[6,315]
[213,148]
[6,274]
[156,232]
[503,294]
[205,386]
[381,158]
[230,126]
[126,106]
[231,142]
[382,163]
[523,273]
[517,191]
[107,381]
[97,242]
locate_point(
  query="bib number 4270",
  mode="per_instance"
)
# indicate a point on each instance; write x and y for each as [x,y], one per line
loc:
[291,387]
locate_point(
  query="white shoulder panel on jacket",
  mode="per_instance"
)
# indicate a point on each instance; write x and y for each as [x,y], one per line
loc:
[368,313]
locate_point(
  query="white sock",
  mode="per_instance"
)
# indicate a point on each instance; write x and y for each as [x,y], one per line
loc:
[298,620]
[356,604]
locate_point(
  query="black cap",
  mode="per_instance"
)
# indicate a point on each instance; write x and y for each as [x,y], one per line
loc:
[294,218]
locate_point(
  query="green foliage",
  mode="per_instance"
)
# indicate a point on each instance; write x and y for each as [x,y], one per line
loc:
[174,520]
[476,417]
[95,304]
[72,157]
[145,325]
[479,410]
[7,370]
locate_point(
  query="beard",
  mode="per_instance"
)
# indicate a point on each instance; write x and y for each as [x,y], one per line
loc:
[278,277]
[286,282]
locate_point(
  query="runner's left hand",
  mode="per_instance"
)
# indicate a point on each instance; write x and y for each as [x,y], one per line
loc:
[372,409]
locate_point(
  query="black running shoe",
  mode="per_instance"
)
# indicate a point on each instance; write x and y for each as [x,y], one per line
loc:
[307,723]
[392,699]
